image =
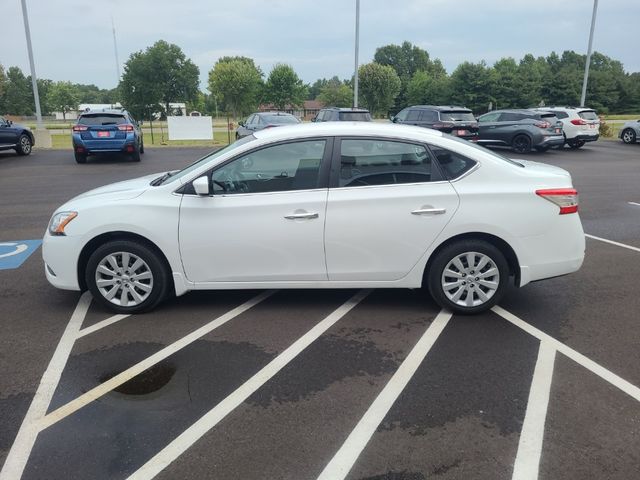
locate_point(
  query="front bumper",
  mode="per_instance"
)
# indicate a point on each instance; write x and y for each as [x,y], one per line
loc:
[60,255]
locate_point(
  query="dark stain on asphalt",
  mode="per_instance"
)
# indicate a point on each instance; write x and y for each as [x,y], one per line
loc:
[404,475]
[480,366]
[329,359]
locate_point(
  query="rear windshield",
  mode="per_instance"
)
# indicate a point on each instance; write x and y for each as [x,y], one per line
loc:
[457,116]
[354,116]
[280,119]
[588,115]
[548,116]
[102,119]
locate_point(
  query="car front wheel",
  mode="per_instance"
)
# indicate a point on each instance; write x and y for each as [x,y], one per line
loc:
[629,136]
[468,277]
[24,145]
[127,277]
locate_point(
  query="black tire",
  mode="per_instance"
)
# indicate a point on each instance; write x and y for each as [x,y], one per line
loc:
[25,145]
[135,156]
[80,158]
[543,149]
[159,283]
[575,144]
[521,144]
[141,147]
[237,136]
[435,278]
[628,135]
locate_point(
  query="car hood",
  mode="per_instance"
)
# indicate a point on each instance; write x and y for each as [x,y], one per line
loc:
[117,191]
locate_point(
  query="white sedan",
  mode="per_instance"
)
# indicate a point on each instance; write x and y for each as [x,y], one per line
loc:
[329,205]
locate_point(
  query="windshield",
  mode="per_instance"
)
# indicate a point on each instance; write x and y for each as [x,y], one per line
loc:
[102,119]
[211,156]
[280,119]
[354,116]
[457,116]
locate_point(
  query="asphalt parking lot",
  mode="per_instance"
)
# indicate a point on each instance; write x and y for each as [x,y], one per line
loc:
[323,384]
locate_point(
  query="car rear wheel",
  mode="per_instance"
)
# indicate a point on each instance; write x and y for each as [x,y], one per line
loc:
[629,136]
[24,145]
[521,144]
[576,143]
[141,147]
[127,277]
[135,156]
[468,277]
[80,158]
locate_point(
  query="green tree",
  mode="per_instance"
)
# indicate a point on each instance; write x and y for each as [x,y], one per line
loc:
[379,86]
[160,75]
[62,97]
[505,91]
[18,96]
[283,87]
[472,86]
[335,93]
[237,83]
[3,87]
[532,73]
[139,92]
[425,89]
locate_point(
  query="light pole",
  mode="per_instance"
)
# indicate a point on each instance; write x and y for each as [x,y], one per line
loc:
[355,76]
[34,81]
[115,50]
[586,67]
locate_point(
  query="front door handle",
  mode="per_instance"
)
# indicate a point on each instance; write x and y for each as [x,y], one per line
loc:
[298,216]
[429,211]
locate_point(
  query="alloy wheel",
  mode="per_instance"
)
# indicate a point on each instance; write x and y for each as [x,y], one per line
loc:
[470,279]
[25,145]
[124,279]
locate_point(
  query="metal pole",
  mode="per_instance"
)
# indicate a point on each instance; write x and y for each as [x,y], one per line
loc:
[34,80]
[115,49]
[355,77]
[586,67]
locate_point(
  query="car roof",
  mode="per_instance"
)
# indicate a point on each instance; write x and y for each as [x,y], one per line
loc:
[274,113]
[440,108]
[514,110]
[347,109]
[336,129]
[107,111]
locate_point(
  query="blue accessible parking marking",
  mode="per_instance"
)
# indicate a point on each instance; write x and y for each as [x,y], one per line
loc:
[13,254]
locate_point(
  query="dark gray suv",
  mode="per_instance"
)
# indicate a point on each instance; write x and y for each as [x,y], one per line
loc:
[335,114]
[521,130]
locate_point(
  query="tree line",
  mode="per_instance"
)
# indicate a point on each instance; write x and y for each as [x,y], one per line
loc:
[398,76]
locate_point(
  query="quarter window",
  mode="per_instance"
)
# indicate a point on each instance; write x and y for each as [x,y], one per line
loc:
[413,115]
[279,168]
[453,164]
[366,162]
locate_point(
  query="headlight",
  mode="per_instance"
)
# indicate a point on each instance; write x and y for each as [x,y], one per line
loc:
[59,221]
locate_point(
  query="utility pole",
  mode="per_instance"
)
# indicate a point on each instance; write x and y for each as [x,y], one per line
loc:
[586,67]
[355,76]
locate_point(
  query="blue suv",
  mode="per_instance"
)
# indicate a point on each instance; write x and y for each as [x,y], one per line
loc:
[107,131]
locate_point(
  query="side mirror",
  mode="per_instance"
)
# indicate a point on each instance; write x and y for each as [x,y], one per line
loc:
[9,123]
[201,186]
[241,123]
[392,118]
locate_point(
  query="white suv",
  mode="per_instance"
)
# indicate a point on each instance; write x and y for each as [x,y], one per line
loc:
[580,124]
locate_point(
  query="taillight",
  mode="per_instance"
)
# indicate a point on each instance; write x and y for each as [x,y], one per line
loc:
[80,128]
[578,121]
[542,124]
[125,128]
[565,198]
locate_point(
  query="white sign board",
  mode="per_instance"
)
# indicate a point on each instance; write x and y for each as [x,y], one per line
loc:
[190,128]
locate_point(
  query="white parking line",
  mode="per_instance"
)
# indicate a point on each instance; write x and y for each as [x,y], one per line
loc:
[342,462]
[191,435]
[634,203]
[530,446]
[147,363]
[26,437]
[99,325]
[580,359]
[618,244]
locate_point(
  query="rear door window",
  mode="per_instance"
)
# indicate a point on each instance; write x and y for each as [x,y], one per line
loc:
[413,115]
[372,162]
[429,116]
[489,117]
[511,117]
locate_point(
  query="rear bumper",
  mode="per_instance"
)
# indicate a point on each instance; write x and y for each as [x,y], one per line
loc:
[587,138]
[104,146]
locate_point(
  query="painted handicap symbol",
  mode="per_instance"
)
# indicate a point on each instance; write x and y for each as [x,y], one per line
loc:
[14,253]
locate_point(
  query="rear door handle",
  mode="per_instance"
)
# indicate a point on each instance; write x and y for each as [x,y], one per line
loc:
[429,211]
[297,216]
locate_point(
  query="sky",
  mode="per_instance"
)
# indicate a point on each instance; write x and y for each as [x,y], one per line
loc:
[73,40]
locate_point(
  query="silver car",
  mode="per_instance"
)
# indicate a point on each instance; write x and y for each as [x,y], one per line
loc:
[630,131]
